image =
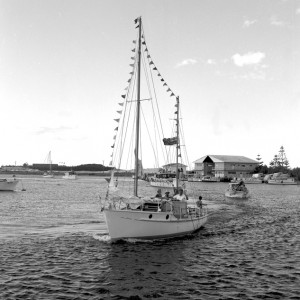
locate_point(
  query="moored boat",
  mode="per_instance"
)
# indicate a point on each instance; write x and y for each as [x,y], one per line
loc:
[8,184]
[281,179]
[256,178]
[49,174]
[70,175]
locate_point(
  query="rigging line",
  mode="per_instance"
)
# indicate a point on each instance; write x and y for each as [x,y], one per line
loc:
[124,128]
[153,110]
[118,143]
[155,157]
[183,138]
[159,116]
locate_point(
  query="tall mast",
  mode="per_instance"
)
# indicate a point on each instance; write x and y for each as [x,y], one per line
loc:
[137,135]
[177,139]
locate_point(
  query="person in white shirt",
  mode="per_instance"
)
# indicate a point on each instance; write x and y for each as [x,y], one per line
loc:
[180,196]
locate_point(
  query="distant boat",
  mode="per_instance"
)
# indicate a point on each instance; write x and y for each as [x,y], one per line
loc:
[237,190]
[70,175]
[281,179]
[210,179]
[49,174]
[256,178]
[8,184]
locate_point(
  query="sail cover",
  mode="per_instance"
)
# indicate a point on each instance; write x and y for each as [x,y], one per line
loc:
[170,141]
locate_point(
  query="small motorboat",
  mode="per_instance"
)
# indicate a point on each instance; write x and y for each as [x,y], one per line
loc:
[8,184]
[237,190]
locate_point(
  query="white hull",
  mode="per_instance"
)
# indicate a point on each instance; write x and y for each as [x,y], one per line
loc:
[72,177]
[7,185]
[289,181]
[237,194]
[124,224]
[48,176]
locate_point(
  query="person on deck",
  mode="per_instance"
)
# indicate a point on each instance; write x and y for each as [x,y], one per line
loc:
[158,195]
[167,196]
[180,196]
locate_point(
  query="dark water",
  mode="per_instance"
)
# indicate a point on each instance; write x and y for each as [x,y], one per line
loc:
[53,245]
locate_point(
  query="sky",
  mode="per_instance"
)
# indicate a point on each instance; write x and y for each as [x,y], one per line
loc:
[63,65]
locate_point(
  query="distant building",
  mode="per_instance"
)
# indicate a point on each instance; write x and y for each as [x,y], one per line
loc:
[172,168]
[225,166]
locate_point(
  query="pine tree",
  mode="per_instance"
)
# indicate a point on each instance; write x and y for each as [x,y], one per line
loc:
[282,160]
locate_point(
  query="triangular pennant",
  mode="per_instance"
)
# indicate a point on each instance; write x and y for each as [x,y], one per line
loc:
[128,80]
[155,68]
[121,103]
[134,41]
[119,111]
[151,63]
[168,90]
[144,43]
[131,65]
[137,26]
[114,137]
[117,120]
[136,20]
[111,155]
[146,50]
[176,112]
[158,74]
[123,96]
[131,73]
[116,129]
[126,88]
[148,56]
[132,57]
[113,146]
[176,105]
[179,155]
[133,50]
[164,84]
[172,94]
[162,80]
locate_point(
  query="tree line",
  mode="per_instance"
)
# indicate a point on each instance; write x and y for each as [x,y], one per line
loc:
[279,163]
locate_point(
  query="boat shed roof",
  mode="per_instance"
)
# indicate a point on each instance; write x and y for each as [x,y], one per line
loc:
[226,158]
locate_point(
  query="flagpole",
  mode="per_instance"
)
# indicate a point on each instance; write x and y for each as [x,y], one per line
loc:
[137,138]
[177,144]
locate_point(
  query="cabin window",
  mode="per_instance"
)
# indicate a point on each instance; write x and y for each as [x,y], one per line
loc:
[243,165]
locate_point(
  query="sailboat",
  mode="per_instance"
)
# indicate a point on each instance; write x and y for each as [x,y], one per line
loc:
[49,174]
[142,217]
[8,184]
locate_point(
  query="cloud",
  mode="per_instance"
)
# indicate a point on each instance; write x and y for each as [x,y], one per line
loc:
[211,61]
[248,23]
[250,58]
[185,62]
[275,22]
[46,130]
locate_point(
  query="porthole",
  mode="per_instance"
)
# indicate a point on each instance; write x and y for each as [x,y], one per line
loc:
[167,217]
[150,216]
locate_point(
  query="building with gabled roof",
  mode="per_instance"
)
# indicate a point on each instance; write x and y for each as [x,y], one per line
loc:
[225,166]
